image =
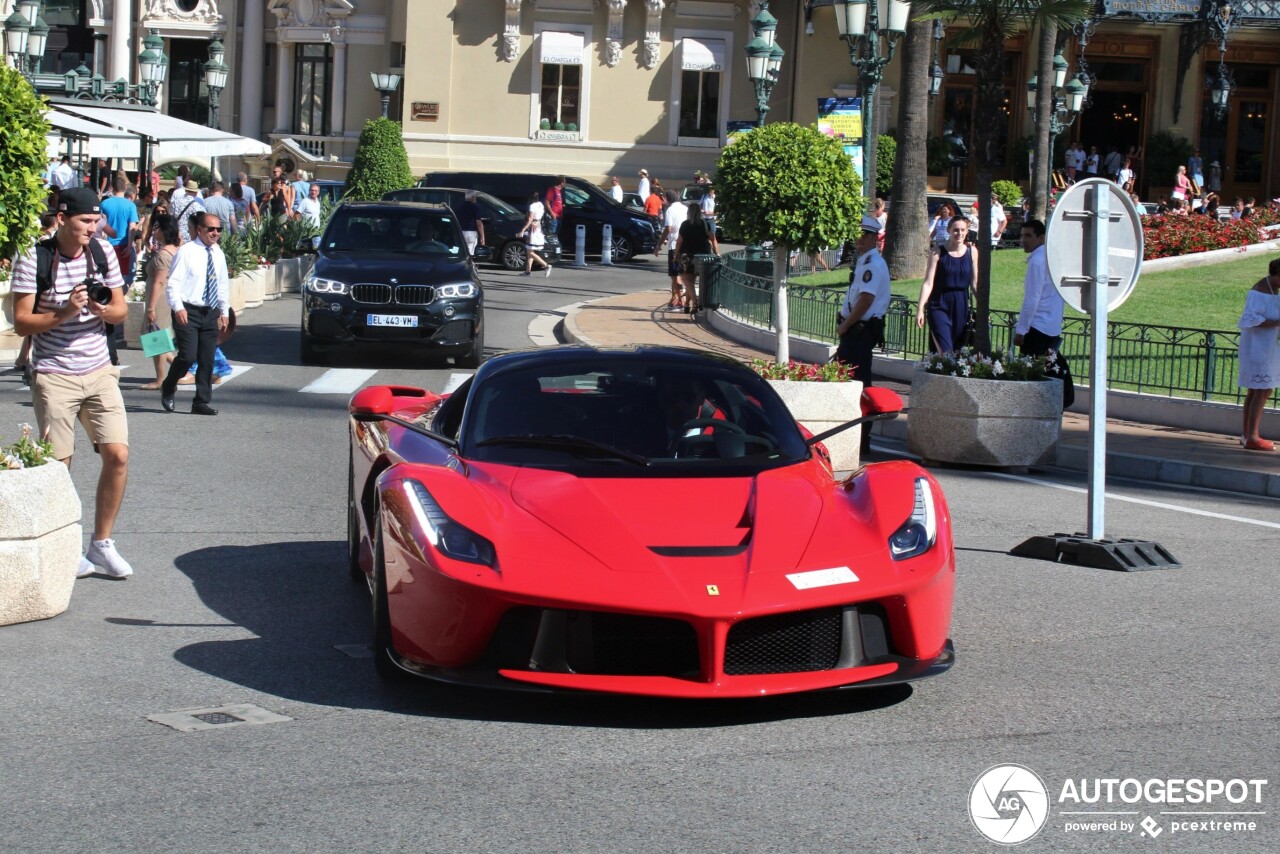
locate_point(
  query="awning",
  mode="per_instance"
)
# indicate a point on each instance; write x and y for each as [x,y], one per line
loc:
[174,139]
[562,48]
[97,140]
[701,54]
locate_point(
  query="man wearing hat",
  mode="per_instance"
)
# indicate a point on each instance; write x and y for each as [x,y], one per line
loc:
[66,289]
[861,317]
[644,184]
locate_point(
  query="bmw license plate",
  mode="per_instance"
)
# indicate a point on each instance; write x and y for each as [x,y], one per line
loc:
[392,320]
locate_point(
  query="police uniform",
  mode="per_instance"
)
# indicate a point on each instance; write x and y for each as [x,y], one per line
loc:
[869,275]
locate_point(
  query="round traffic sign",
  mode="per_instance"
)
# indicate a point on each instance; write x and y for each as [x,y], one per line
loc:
[1071,242]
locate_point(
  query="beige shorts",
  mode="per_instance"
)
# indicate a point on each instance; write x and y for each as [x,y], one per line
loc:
[93,398]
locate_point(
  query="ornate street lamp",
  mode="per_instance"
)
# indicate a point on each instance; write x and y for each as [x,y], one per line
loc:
[1223,23]
[872,31]
[154,65]
[386,83]
[764,59]
[936,74]
[37,38]
[1068,101]
[215,77]
[16,32]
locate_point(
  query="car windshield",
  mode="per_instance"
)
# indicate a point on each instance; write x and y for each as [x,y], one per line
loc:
[411,231]
[630,415]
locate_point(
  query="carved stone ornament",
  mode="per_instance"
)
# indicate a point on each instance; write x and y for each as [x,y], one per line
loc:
[204,12]
[613,41]
[652,31]
[511,32]
[321,14]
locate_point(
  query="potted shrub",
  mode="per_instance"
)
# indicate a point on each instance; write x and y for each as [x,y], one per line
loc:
[937,164]
[39,532]
[1001,410]
[820,397]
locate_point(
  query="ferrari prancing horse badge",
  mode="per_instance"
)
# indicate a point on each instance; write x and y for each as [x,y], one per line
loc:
[713,590]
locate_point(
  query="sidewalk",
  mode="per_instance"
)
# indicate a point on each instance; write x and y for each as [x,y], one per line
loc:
[1138,451]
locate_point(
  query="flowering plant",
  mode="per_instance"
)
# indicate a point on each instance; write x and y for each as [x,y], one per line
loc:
[25,453]
[998,366]
[137,292]
[1165,235]
[5,270]
[831,372]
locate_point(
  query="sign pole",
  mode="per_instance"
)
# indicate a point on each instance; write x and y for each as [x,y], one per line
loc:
[1093,249]
[1100,265]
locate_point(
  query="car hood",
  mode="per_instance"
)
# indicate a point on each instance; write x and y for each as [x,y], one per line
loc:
[682,545]
[377,268]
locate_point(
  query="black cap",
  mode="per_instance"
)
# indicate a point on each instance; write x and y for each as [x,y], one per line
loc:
[78,200]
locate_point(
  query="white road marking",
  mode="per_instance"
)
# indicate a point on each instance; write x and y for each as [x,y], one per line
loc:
[455,380]
[1160,504]
[236,370]
[338,381]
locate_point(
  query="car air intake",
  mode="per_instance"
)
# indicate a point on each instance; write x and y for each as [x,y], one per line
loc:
[784,643]
[374,294]
[454,332]
[415,295]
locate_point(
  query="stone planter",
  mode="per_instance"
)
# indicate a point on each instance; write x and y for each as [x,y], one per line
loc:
[134,322]
[39,542]
[984,422]
[289,274]
[254,286]
[821,406]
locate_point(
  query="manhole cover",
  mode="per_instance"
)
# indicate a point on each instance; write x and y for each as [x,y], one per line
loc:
[219,717]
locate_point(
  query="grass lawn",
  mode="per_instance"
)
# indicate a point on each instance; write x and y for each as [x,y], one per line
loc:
[1207,297]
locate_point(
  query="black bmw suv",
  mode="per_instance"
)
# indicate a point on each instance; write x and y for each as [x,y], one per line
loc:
[393,274]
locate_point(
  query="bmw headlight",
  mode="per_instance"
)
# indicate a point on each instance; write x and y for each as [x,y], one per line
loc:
[918,534]
[446,535]
[317,285]
[462,290]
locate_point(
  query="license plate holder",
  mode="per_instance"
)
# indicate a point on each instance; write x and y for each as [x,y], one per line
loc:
[401,321]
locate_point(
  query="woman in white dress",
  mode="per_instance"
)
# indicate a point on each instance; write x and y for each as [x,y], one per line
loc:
[534,239]
[1260,354]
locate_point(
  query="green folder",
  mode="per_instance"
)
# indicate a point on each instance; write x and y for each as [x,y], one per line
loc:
[158,343]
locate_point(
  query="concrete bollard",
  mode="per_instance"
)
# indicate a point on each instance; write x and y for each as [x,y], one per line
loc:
[580,250]
[606,246]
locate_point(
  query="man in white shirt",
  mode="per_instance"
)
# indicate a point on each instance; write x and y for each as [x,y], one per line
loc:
[675,216]
[615,189]
[861,319]
[63,176]
[186,206]
[200,298]
[644,184]
[1091,163]
[708,206]
[998,221]
[1039,326]
[309,208]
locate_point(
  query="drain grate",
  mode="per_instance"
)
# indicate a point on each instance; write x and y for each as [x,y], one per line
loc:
[219,717]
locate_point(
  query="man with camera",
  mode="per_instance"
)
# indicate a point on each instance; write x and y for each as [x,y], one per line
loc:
[66,289]
[200,297]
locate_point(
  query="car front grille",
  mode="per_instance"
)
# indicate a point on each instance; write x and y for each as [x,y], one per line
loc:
[372,294]
[784,643]
[415,294]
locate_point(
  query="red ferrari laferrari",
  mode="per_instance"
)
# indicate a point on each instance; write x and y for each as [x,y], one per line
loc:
[638,521]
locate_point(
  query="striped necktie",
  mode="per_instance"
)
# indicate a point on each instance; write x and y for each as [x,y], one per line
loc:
[211,282]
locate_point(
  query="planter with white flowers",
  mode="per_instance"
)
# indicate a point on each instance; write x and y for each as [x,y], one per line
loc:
[39,532]
[820,397]
[1003,411]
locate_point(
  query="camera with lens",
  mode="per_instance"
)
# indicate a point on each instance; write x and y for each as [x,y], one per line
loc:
[98,292]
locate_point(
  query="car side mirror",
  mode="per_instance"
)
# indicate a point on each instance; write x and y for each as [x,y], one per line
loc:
[483,253]
[371,404]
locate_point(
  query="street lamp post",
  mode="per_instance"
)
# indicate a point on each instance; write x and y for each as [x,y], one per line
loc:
[215,78]
[1068,101]
[154,65]
[386,83]
[1222,22]
[764,59]
[864,24]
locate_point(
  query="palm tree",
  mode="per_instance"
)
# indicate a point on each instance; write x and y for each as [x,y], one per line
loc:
[907,238]
[991,23]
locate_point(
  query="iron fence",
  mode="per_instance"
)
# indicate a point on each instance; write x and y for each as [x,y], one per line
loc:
[1142,357]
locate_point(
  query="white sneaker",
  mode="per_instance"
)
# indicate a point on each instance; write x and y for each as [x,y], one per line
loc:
[85,569]
[103,555]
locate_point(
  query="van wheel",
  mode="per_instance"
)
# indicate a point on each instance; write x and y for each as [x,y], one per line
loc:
[513,256]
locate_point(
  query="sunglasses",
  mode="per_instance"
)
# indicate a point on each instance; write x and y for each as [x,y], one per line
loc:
[216,229]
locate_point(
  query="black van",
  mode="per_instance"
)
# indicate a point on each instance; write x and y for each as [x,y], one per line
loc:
[634,233]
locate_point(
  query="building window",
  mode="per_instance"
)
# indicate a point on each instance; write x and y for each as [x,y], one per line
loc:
[701,73]
[561,93]
[313,80]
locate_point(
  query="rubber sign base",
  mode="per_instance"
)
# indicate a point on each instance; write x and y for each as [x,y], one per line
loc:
[1121,555]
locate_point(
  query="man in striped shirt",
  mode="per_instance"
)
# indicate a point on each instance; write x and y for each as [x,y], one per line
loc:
[74,378]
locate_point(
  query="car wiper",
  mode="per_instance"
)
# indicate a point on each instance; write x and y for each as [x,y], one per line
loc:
[568,443]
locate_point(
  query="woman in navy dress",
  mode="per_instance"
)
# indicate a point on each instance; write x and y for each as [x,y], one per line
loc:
[944,294]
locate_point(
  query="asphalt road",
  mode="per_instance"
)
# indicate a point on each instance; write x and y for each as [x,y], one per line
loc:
[235,527]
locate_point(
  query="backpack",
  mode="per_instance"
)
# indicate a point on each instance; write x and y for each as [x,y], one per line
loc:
[46,265]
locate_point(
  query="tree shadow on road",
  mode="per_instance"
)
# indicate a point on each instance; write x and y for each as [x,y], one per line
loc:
[299,601]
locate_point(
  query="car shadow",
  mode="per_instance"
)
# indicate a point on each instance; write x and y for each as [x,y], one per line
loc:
[299,601]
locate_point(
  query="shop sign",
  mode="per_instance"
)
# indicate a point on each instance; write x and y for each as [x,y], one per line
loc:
[426,111]
[1153,10]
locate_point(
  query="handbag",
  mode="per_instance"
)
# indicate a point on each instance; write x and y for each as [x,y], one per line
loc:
[968,336]
[157,342]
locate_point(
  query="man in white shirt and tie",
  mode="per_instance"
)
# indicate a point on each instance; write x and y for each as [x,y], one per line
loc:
[200,298]
[1039,326]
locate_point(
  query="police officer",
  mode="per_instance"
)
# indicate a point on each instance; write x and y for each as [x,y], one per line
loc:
[861,317]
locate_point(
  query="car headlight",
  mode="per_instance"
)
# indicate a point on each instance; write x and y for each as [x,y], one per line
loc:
[447,536]
[459,291]
[918,534]
[317,285]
